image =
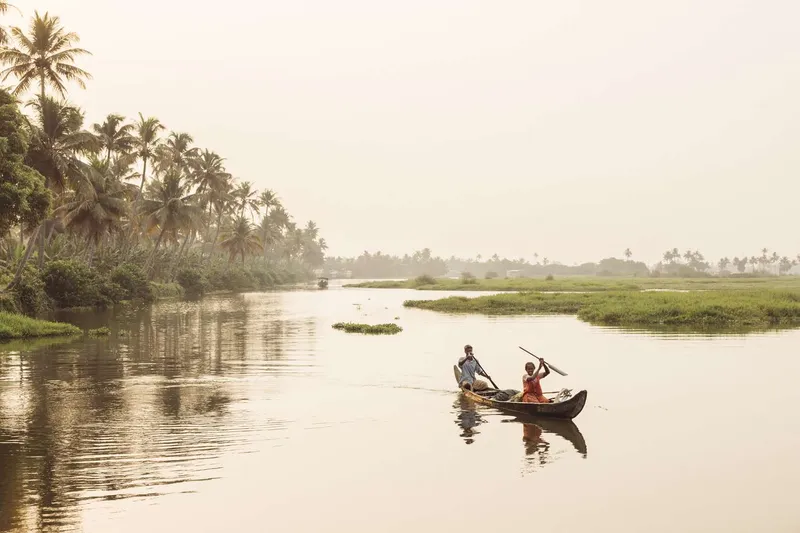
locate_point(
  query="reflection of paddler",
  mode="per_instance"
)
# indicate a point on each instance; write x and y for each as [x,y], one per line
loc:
[531,433]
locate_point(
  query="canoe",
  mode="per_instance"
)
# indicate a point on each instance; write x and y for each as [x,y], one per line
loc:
[568,409]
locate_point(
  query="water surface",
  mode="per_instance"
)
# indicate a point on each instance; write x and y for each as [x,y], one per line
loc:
[249,413]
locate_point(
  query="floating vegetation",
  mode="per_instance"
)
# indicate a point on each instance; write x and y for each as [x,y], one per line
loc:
[100,332]
[368,329]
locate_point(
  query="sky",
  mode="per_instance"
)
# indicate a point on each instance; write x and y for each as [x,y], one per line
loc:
[571,129]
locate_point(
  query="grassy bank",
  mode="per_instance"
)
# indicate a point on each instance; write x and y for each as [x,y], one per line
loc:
[589,284]
[376,329]
[14,326]
[719,310]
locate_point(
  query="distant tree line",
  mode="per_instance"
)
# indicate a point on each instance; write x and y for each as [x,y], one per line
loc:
[691,263]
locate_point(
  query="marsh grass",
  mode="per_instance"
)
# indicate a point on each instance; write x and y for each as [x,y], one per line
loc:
[99,332]
[369,329]
[14,326]
[719,310]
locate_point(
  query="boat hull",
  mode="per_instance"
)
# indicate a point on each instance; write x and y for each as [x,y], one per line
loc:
[567,409]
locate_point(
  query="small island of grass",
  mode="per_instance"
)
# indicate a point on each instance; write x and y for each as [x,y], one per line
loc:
[728,310]
[369,329]
[14,326]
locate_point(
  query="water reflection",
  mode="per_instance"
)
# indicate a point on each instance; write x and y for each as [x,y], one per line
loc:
[539,450]
[467,418]
[141,413]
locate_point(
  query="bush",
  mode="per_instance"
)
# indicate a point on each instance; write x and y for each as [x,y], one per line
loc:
[491,275]
[549,277]
[133,282]
[166,290]
[424,279]
[192,281]
[72,284]
[13,326]
[368,329]
[29,294]
[467,278]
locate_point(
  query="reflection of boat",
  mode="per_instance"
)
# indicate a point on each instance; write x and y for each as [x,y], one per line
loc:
[566,429]
[565,409]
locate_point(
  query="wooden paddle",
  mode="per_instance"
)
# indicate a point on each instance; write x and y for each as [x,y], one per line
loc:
[548,364]
[485,372]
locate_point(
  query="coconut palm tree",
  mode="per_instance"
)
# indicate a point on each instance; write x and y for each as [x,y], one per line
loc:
[311,230]
[57,142]
[3,10]
[175,153]
[146,143]
[169,207]
[208,171]
[246,198]
[113,136]
[45,56]
[97,206]
[241,239]
[628,254]
[268,199]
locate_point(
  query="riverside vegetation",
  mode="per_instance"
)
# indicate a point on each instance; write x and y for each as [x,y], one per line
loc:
[120,210]
[369,329]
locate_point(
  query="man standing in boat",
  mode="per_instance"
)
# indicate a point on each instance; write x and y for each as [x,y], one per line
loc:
[469,368]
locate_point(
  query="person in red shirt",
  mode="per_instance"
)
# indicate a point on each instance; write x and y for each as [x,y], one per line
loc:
[531,383]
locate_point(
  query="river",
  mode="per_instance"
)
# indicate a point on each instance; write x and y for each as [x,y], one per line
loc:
[250,413]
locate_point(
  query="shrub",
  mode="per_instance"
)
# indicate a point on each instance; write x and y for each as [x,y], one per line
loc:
[192,281]
[13,326]
[549,277]
[424,279]
[29,294]
[492,275]
[166,290]
[72,284]
[133,281]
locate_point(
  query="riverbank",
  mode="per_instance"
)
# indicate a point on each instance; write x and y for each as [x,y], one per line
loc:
[588,284]
[717,310]
[14,326]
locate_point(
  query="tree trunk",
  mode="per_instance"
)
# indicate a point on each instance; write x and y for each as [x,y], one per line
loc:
[24,261]
[42,239]
[91,252]
[180,255]
[144,174]
[153,254]
[216,235]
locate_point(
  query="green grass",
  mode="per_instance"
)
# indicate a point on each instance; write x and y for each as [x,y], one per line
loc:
[376,329]
[100,332]
[13,326]
[713,310]
[590,284]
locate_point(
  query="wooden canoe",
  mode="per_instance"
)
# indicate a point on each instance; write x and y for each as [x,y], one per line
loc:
[567,409]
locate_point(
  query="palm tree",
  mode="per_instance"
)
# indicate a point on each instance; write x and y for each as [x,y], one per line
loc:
[169,207]
[241,239]
[44,56]
[57,142]
[176,152]
[628,254]
[245,197]
[221,200]
[3,10]
[312,230]
[97,206]
[208,171]
[146,142]
[113,136]
[268,199]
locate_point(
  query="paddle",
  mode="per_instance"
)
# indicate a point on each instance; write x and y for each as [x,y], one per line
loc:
[548,364]
[485,372]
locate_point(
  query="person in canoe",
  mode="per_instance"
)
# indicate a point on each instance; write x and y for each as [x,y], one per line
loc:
[469,368]
[531,382]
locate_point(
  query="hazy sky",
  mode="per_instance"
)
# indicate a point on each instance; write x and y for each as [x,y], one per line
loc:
[571,129]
